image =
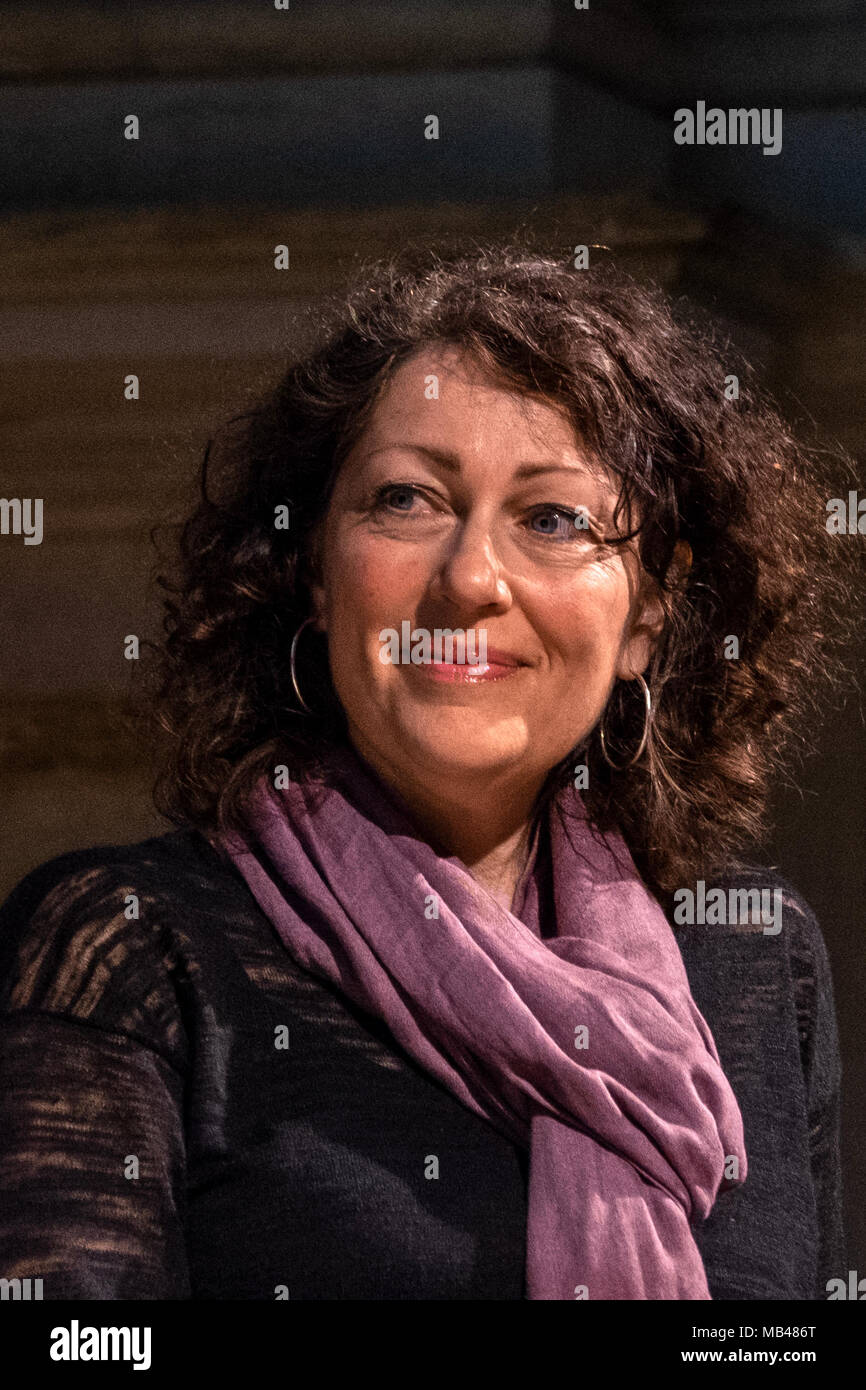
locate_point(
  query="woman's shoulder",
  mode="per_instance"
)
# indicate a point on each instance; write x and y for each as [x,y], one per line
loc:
[772,939]
[175,862]
[753,900]
[92,936]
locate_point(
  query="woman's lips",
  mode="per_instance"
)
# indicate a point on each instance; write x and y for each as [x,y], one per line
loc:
[467,673]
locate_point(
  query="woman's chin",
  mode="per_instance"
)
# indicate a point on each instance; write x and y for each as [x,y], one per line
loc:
[458,742]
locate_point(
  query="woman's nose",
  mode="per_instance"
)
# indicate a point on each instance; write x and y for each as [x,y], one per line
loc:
[471,574]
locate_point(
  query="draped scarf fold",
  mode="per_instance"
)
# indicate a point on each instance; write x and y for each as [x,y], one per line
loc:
[585,1046]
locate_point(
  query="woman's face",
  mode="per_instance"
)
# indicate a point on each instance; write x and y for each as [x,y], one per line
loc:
[452,513]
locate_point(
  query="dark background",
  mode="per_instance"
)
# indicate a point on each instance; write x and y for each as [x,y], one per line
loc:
[305,127]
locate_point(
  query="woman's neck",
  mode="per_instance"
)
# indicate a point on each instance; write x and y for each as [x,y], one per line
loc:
[489,826]
[500,870]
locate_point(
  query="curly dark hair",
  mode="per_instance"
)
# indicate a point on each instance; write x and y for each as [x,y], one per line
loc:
[645,388]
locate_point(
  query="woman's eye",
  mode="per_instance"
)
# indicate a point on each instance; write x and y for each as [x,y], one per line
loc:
[390,496]
[562,524]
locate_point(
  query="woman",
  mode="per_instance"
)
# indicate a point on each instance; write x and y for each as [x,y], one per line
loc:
[411,1004]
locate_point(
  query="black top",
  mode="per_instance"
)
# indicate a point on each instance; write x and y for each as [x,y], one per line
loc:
[185,1113]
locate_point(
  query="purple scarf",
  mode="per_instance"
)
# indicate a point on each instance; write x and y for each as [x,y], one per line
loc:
[586,1047]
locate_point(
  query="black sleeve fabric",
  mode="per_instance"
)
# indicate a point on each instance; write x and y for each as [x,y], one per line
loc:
[822,1071]
[92,1154]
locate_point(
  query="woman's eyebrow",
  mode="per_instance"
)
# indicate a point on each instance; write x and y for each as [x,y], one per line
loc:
[451,461]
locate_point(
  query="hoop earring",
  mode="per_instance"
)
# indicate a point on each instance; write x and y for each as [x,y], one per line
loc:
[621,767]
[294,677]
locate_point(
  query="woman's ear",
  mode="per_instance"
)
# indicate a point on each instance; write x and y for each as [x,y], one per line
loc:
[681,563]
[644,633]
[648,625]
[313,577]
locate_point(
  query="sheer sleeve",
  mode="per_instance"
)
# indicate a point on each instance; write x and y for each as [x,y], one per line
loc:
[92,1153]
[822,1070]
